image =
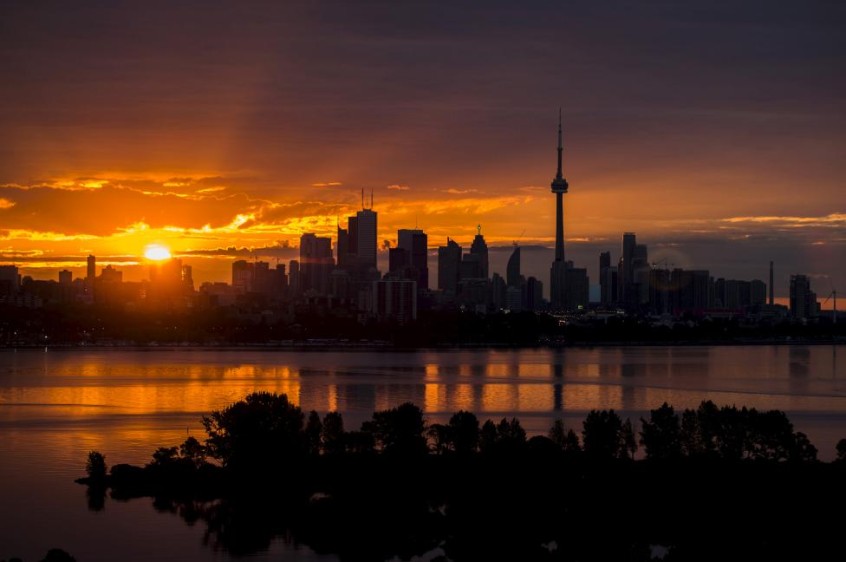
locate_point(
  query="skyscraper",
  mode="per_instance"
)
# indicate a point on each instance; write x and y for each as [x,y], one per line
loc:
[316,263]
[803,301]
[480,248]
[91,273]
[366,237]
[512,270]
[558,272]
[416,245]
[449,266]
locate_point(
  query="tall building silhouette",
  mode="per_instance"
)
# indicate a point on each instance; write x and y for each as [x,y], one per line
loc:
[480,248]
[449,267]
[803,301]
[415,247]
[558,272]
[512,270]
[91,272]
[316,263]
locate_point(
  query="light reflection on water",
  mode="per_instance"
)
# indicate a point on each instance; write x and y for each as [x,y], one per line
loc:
[56,406]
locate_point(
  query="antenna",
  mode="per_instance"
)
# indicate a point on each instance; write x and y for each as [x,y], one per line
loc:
[371,198]
[362,198]
[478,230]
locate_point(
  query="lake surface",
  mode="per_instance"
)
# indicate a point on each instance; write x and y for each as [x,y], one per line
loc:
[57,405]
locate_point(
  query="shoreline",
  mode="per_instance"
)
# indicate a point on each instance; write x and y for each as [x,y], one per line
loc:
[339,345]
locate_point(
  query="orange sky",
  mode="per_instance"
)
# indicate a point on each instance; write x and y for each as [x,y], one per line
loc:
[715,135]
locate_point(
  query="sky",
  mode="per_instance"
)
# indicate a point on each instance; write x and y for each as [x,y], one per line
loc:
[223,130]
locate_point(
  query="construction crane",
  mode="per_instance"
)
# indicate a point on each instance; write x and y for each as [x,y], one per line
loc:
[833,296]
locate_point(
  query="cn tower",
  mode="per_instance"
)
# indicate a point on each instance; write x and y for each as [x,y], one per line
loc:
[558,271]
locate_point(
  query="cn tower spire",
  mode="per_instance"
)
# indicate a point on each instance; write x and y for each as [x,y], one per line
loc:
[558,272]
[559,175]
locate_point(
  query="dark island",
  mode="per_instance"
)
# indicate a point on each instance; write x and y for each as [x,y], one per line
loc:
[713,483]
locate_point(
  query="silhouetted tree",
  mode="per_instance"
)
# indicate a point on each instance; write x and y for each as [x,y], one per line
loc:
[263,430]
[360,442]
[164,456]
[487,436]
[193,451]
[699,430]
[332,434]
[804,450]
[313,430]
[661,435]
[841,450]
[629,439]
[464,432]
[95,466]
[602,435]
[557,433]
[399,430]
[439,434]
[510,433]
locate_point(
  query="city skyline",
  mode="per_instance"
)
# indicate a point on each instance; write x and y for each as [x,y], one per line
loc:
[244,130]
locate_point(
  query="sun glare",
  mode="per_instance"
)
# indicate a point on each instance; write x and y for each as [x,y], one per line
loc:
[156,252]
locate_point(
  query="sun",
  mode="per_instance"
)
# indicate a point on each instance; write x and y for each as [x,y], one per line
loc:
[156,252]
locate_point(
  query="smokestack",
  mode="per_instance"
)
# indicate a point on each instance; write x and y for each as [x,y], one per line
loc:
[772,300]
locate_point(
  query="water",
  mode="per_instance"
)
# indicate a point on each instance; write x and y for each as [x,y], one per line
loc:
[57,405]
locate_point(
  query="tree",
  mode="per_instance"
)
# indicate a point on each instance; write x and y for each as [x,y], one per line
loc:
[557,433]
[661,435]
[399,430]
[95,466]
[193,451]
[164,456]
[313,430]
[262,431]
[629,439]
[487,436]
[332,434]
[602,435]
[841,450]
[464,432]
[440,436]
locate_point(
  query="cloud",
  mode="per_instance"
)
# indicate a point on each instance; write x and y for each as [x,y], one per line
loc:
[327,184]
[831,220]
[454,191]
[398,187]
[6,204]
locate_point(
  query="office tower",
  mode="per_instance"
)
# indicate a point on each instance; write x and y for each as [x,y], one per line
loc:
[343,247]
[534,294]
[294,277]
[65,277]
[92,269]
[512,269]
[626,270]
[578,287]
[10,279]
[395,300]
[242,276]
[480,248]
[316,263]
[607,280]
[398,261]
[366,237]
[498,292]
[416,245]
[772,290]
[449,266]
[757,292]
[558,272]
[803,301]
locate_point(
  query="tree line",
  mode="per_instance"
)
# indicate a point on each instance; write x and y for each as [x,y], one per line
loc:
[268,431]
